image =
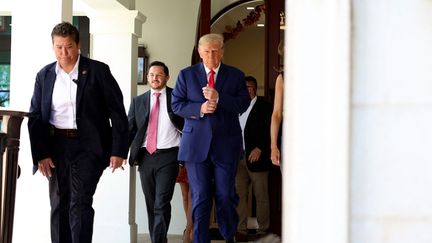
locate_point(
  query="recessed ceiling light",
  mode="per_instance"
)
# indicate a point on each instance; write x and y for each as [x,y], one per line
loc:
[260,25]
[250,8]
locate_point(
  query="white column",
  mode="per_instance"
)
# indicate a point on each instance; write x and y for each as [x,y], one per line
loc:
[114,40]
[391,129]
[316,122]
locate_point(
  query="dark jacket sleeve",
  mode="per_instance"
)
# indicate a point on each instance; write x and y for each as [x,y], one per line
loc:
[117,115]
[38,119]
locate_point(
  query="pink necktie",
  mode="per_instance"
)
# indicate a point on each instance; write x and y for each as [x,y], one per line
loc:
[153,126]
[211,78]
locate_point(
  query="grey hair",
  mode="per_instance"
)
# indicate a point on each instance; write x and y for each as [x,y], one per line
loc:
[211,38]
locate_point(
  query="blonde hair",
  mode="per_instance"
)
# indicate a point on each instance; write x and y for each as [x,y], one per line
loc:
[281,48]
[210,38]
[281,54]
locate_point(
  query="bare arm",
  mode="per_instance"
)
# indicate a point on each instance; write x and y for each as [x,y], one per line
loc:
[276,120]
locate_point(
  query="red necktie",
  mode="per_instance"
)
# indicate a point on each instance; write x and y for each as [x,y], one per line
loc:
[211,78]
[153,126]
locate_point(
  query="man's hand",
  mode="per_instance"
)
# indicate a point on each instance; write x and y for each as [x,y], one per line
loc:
[45,166]
[210,93]
[116,162]
[208,107]
[254,155]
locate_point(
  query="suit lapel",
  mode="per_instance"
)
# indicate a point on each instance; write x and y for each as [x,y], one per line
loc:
[251,117]
[221,77]
[83,70]
[143,110]
[168,99]
[48,90]
[146,100]
[201,74]
[146,108]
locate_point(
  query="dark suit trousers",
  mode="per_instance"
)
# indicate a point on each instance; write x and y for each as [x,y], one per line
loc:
[216,179]
[71,188]
[158,173]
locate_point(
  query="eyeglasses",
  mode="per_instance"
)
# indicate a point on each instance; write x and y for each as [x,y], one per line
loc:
[157,76]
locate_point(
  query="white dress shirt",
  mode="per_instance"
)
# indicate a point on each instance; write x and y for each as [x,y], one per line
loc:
[244,116]
[63,106]
[167,134]
[216,70]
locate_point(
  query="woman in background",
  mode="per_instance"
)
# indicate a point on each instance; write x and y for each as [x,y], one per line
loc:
[187,204]
[276,119]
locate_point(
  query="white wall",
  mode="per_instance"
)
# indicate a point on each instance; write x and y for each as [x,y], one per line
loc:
[392,117]
[169,34]
[246,52]
[316,122]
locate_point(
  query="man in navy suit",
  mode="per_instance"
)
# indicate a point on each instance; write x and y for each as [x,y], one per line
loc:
[77,126]
[158,167]
[211,142]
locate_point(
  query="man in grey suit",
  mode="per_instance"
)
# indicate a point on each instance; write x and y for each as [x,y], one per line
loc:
[154,149]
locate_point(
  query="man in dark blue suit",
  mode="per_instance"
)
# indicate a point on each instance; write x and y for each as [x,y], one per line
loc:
[77,126]
[158,167]
[210,95]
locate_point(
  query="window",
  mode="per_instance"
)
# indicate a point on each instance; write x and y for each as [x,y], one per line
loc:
[5,46]
[142,65]
[4,84]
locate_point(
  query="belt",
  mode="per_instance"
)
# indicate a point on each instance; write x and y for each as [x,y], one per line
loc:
[67,133]
[160,151]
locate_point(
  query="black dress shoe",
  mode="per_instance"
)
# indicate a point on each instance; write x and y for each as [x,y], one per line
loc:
[240,237]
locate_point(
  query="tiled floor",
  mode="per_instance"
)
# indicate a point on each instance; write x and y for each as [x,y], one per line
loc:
[171,239]
[214,232]
[178,239]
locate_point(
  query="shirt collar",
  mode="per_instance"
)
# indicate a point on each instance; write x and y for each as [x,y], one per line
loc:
[162,91]
[74,73]
[208,69]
